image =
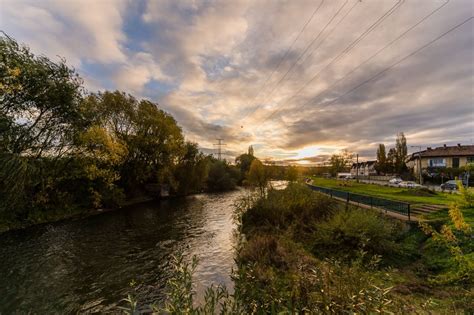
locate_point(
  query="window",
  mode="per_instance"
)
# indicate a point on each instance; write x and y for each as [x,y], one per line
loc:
[470,159]
[456,162]
[437,163]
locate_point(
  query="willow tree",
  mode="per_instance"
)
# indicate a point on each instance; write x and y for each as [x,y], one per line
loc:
[39,117]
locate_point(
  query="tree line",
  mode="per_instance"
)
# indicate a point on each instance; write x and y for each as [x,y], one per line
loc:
[63,149]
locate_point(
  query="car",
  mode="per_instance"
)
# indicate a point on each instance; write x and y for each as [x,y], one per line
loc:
[409,184]
[449,185]
[395,181]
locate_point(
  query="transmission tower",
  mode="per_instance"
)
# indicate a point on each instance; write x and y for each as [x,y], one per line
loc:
[219,145]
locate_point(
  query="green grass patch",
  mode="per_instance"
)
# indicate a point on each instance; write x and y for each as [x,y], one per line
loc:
[394,193]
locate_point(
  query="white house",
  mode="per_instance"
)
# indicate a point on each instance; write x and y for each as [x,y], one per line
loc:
[366,168]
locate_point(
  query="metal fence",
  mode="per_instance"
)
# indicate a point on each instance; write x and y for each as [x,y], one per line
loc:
[386,204]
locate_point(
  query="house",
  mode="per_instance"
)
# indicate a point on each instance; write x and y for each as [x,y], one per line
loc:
[441,157]
[366,168]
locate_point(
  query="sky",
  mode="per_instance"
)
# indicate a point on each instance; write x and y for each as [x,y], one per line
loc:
[297,79]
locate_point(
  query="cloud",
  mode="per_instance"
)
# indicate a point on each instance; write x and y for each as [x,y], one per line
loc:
[72,29]
[219,69]
[139,70]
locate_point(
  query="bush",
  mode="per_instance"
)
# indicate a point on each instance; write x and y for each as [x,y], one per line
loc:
[349,231]
[297,204]
[304,285]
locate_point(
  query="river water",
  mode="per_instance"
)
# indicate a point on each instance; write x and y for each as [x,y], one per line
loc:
[86,265]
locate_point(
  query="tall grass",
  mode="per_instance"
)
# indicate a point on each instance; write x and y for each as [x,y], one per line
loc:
[303,253]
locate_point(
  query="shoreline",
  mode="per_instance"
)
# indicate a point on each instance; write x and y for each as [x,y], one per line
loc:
[85,213]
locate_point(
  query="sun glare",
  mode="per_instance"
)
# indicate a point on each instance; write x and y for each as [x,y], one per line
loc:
[308,152]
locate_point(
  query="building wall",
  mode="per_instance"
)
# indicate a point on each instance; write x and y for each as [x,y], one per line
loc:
[425,162]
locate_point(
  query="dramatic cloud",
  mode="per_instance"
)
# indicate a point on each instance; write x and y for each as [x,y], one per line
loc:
[225,69]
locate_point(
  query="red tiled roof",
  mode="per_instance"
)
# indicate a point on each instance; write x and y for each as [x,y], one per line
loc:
[458,150]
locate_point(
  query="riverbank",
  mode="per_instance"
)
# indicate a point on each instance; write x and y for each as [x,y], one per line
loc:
[71,214]
[304,251]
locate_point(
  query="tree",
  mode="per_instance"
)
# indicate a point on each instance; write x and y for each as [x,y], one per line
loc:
[192,170]
[250,151]
[39,118]
[390,164]
[153,139]
[243,162]
[291,174]
[220,177]
[401,153]
[381,159]
[257,176]
[39,102]
[340,162]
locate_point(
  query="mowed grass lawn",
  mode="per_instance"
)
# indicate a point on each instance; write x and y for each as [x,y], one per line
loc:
[401,194]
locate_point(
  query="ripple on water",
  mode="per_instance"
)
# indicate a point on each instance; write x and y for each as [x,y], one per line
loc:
[86,265]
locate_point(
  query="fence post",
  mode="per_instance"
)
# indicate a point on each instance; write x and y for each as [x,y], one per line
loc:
[371,202]
[408,212]
[347,201]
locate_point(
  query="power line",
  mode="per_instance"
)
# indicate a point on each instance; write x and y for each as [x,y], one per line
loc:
[401,60]
[344,51]
[287,51]
[301,55]
[330,32]
[372,56]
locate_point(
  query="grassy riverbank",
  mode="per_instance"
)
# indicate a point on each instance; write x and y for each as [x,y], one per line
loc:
[394,193]
[305,251]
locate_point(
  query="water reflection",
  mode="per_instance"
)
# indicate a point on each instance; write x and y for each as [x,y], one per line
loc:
[87,265]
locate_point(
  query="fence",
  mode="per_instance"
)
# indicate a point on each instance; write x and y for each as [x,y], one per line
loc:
[386,204]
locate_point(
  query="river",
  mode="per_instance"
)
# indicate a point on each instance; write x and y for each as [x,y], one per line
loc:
[86,265]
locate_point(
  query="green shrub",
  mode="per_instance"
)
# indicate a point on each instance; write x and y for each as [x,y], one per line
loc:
[349,231]
[297,204]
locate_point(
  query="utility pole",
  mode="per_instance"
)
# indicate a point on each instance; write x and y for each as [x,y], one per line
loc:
[357,167]
[420,178]
[219,145]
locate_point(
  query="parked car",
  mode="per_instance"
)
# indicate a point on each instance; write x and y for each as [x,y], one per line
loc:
[409,184]
[395,181]
[449,185]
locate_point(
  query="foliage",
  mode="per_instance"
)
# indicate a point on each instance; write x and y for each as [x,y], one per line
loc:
[340,162]
[39,119]
[346,261]
[467,200]
[222,176]
[153,139]
[352,230]
[296,204]
[180,295]
[456,237]
[381,159]
[63,151]
[292,174]
[39,99]
[191,170]
[243,162]
[401,153]
[258,176]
